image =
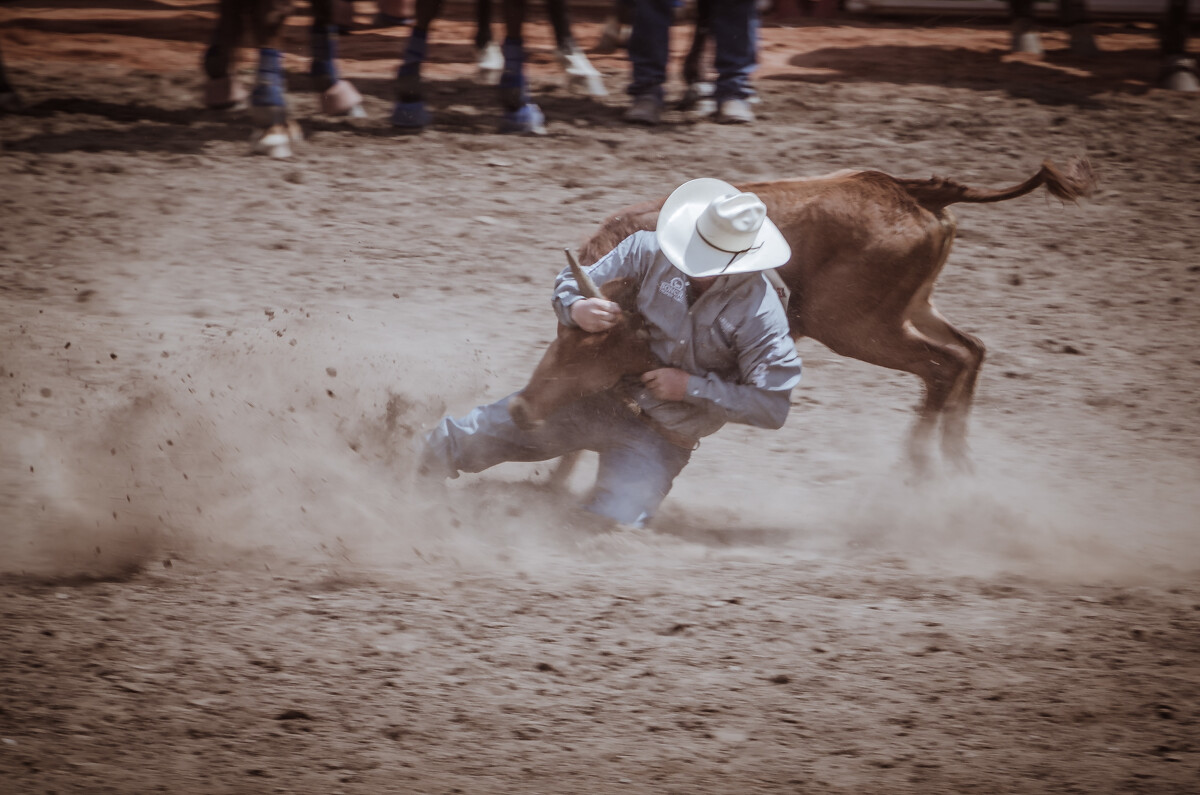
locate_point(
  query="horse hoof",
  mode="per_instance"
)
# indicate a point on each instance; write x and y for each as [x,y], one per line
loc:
[342,99]
[698,97]
[581,75]
[223,93]
[1182,81]
[1179,74]
[591,85]
[490,62]
[275,141]
[411,116]
[1027,41]
[527,119]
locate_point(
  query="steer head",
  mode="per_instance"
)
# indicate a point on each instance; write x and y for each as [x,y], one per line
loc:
[579,363]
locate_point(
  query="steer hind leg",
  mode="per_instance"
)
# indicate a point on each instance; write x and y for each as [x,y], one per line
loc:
[957,409]
[902,345]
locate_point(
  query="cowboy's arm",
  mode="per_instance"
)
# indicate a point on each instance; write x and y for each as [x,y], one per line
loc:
[769,369]
[629,258]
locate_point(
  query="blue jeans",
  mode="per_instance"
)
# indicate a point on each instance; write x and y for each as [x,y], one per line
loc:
[637,465]
[734,29]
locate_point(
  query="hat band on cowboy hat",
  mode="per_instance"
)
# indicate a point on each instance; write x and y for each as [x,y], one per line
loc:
[707,227]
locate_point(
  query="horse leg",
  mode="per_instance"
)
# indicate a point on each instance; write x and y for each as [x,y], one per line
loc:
[1024,29]
[520,115]
[581,75]
[1178,71]
[489,59]
[616,27]
[390,14]
[274,131]
[698,95]
[1074,17]
[221,90]
[410,111]
[338,96]
[9,101]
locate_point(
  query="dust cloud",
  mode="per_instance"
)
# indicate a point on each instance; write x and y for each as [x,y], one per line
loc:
[283,441]
[294,442]
[1059,515]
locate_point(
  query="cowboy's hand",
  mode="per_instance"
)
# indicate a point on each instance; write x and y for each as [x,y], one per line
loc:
[667,383]
[595,314]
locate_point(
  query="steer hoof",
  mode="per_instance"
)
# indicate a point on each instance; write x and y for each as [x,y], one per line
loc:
[490,63]
[222,93]
[411,116]
[276,141]
[342,99]
[526,119]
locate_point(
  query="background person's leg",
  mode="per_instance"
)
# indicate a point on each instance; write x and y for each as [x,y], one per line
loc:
[649,47]
[735,36]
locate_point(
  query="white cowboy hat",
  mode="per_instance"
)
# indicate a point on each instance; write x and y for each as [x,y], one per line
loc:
[707,227]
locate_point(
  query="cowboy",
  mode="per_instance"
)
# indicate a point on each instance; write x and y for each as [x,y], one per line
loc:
[714,321]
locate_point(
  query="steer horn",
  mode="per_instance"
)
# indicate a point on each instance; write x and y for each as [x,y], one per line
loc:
[586,285]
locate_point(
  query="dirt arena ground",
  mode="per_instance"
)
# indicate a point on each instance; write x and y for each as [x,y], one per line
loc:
[216,574]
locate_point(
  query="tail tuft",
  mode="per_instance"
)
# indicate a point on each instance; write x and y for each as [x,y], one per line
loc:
[1075,181]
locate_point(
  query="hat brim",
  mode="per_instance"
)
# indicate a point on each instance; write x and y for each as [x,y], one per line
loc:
[687,251]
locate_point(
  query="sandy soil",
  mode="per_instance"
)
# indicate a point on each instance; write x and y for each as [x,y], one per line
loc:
[216,575]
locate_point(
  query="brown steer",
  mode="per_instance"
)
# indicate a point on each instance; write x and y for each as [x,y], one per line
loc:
[866,250]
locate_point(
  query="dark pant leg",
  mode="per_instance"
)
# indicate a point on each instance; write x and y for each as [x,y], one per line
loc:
[649,46]
[735,35]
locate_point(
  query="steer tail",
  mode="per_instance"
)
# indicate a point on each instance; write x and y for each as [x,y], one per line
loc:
[1075,181]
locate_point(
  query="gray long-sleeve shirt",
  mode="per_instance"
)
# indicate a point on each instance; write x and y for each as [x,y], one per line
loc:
[733,339]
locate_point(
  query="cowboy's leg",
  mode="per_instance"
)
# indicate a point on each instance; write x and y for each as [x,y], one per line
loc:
[735,36]
[637,468]
[487,436]
[649,46]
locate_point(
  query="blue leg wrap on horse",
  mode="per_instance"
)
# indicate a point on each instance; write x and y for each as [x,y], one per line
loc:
[268,82]
[513,75]
[324,55]
[528,118]
[414,53]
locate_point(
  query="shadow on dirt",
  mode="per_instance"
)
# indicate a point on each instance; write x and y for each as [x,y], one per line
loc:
[1058,78]
[461,106]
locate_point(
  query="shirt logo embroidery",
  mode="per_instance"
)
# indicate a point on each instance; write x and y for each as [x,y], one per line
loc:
[674,289]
